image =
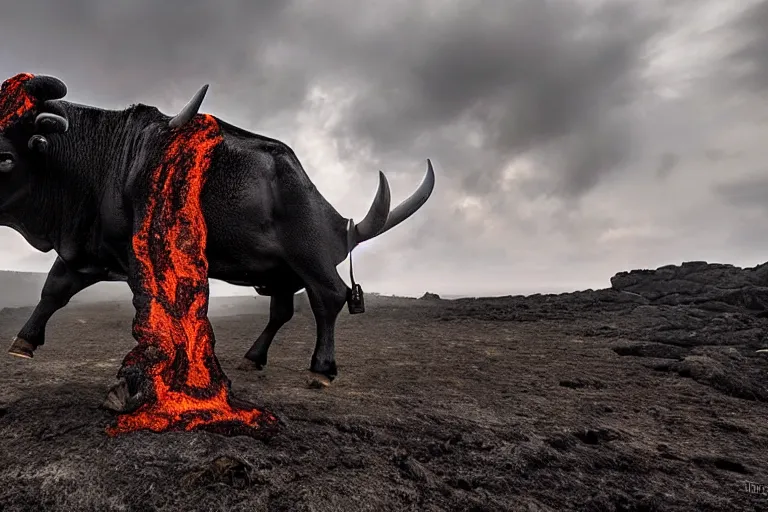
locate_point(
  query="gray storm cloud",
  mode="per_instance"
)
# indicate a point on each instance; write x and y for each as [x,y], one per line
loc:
[749,60]
[531,109]
[525,73]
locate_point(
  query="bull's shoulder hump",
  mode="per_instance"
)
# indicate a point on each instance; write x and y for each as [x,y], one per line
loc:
[143,108]
[235,132]
[244,141]
[136,111]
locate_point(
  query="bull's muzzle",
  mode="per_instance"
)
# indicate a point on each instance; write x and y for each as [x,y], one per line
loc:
[7,161]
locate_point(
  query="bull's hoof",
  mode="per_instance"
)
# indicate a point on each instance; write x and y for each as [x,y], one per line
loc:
[247,365]
[317,380]
[119,398]
[22,348]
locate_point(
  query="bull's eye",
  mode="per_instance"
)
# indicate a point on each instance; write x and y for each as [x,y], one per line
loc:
[7,161]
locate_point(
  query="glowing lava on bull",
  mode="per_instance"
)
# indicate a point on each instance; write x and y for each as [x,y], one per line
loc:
[173,368]
[171,380]
[15,101]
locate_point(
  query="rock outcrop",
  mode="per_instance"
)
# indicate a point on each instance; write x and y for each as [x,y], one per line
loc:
[711,286]
[701,320]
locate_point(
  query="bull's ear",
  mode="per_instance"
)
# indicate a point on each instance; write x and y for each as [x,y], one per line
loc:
[51,123]
[52,118]
[45,87]
[54,107]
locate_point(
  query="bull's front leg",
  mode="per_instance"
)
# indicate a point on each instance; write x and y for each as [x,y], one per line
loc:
[126,395]
[60,286]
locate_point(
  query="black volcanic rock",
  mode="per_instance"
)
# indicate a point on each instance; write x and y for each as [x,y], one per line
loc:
[429,296]
[709,285]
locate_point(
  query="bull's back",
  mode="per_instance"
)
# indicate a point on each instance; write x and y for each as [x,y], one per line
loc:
[239,208]
[260,203]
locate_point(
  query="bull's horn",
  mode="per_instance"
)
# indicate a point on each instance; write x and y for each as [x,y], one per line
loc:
[45,87]
[190,109]
[51,123]
[413,203]
[377,215]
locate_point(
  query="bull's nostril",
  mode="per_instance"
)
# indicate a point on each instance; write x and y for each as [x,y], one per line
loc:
[7,161]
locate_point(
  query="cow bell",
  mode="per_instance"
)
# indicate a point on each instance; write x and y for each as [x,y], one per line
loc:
[355,300]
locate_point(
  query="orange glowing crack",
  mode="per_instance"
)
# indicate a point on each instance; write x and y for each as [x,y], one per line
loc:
[190,388]
[15,101]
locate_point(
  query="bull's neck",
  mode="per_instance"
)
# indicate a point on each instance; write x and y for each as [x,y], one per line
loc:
[66,194]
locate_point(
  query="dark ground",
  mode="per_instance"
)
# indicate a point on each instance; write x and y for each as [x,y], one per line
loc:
[647,397]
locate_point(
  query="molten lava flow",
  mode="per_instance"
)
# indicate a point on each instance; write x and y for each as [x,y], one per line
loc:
[15,101]
[187,387]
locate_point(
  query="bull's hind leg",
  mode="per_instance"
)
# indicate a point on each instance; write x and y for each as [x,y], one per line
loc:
[327,295]
[326,291]
[60,286]
[280,312]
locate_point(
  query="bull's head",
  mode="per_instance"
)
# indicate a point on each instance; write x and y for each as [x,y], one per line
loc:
[28,112]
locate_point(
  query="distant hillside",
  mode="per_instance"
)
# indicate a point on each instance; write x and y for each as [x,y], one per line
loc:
[23,289]
[20,288]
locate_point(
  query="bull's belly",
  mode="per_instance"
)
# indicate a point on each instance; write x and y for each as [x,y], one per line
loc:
[241,261]
[267,279]
[268,276]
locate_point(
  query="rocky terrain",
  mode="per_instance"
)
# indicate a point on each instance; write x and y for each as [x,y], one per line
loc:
[650,395]
[704,320]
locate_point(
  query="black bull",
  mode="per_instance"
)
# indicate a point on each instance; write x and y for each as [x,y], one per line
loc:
[71,179]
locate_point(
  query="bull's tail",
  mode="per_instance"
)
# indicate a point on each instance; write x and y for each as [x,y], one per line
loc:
[379,217]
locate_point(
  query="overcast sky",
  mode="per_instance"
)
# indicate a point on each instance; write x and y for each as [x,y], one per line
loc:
[571,139]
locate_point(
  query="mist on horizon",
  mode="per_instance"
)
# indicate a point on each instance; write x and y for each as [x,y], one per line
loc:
[570,140]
